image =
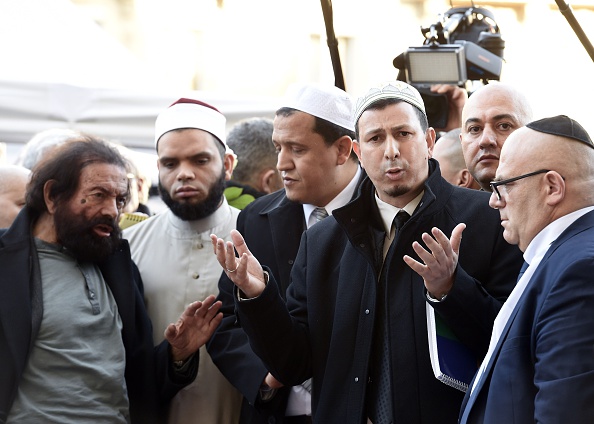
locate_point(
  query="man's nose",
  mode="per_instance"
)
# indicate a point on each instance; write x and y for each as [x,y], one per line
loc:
[488,137]
[392,150]
[185,172]
[283,161]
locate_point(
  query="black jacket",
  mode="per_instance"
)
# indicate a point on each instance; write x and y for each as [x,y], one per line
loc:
[149,374]
[325,329]
[272,226]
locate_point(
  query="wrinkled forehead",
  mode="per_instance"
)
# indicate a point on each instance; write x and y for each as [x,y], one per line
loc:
[104,176]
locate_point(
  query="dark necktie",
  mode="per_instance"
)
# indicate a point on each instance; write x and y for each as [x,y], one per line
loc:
[525,266]
[380,395]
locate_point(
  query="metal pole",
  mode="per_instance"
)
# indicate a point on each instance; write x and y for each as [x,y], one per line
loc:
[333,44]
[565,9]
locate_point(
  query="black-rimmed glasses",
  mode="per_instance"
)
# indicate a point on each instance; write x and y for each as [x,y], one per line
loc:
[495,184]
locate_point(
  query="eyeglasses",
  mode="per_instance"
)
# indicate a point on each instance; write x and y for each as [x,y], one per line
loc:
[495,184]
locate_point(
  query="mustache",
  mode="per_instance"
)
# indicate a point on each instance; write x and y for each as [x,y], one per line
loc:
[104,220]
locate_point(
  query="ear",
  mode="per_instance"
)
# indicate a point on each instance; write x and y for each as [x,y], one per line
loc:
[49,202]
[229,163]
[465,178]
[344,145]
[554,188]
[430,140]
[357,149]
[268,180]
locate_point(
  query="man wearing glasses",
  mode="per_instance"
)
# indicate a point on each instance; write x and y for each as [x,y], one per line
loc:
[540,363]
[489,116]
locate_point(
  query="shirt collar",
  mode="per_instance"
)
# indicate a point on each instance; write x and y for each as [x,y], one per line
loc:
[388,212]
[540,244]
[339,201]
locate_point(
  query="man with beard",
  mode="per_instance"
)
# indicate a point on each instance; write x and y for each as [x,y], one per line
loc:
[76,341]
[355,315]
[172,249]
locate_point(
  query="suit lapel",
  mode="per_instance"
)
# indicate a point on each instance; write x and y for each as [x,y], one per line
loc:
[287,224]
[581,224]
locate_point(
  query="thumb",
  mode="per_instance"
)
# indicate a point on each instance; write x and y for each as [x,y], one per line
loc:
[456,237]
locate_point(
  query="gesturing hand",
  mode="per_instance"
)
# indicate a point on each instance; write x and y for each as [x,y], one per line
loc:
[439,262]
[193,328]
[245,271]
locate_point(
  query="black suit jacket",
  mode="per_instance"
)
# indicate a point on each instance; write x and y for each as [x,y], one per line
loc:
[272,227]
[149,374]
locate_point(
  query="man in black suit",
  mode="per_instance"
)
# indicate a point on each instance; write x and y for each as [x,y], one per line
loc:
[313,135]
[355,318]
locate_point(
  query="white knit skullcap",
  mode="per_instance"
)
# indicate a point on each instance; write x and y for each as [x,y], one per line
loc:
[390,90]
[189,113]
[326,102]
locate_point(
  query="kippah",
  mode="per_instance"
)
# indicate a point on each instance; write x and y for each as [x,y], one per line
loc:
[190,113]
[563,126]
[390,90]
[326,102]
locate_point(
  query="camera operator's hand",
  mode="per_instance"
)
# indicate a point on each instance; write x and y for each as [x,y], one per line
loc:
[456,99]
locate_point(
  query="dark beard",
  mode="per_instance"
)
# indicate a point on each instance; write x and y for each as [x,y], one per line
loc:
[193,212]
[76,234]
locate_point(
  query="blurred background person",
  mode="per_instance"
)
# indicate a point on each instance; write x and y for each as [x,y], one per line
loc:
[255,174]
[13,183]
[136,210]
[448,152]
[42,143]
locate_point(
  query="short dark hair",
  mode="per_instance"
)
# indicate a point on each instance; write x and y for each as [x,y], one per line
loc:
[64,166]
[383,103]
[329,131]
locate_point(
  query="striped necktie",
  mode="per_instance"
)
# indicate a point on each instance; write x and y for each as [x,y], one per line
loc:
[319,214]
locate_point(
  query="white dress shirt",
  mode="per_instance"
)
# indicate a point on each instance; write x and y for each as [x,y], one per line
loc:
[534,253]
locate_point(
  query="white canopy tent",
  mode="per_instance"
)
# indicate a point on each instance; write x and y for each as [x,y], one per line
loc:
[121,115]
[61,70]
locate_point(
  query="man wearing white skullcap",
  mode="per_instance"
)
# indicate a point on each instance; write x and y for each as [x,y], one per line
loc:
[313,135]
[172,249]
[363,288]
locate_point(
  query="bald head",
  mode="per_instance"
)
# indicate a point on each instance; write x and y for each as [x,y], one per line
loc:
[448,152]
[573,160]
[13,183]
[561,181]
[489,116]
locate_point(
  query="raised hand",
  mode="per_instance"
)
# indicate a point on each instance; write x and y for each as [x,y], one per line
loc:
[439,262]
[245,271]
[193,328]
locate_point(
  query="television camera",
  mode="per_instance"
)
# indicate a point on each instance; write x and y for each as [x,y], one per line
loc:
[464,46]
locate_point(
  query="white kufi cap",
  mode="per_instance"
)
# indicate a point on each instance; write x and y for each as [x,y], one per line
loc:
[189,113]
[326,102]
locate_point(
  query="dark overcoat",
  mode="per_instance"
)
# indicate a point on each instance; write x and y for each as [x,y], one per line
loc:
[325,328]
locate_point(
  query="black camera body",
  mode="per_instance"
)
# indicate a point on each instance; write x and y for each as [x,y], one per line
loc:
[465,45]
